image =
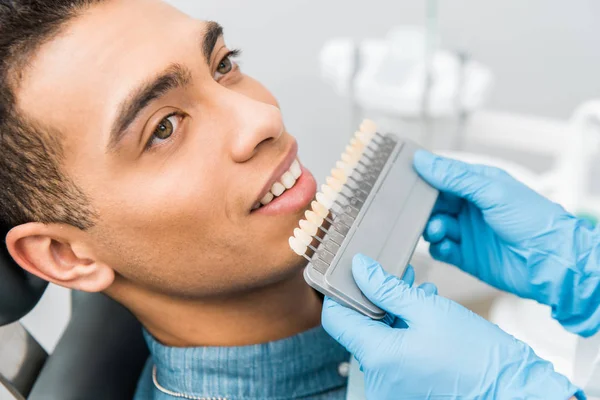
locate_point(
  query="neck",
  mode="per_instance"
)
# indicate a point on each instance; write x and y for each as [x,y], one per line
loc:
[271,313]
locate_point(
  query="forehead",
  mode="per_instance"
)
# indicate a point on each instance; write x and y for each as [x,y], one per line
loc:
[77,79]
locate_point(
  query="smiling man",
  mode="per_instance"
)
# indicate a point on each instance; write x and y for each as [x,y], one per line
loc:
[136,159]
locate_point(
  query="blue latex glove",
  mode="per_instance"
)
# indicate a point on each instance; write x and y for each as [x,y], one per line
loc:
[497,229]
[446,352]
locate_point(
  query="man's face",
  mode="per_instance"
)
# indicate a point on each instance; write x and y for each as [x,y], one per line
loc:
[173,145]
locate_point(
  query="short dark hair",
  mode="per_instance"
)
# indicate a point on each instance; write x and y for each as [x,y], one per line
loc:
[33,186]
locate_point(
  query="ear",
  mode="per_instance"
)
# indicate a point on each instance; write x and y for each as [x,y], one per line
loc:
[60,254]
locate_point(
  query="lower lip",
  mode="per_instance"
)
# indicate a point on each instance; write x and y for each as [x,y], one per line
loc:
[292,200]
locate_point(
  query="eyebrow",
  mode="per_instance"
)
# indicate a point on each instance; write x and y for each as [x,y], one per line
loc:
[174,77]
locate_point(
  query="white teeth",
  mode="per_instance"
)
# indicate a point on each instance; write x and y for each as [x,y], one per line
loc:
[267,199]
[325,200]
[302,236]
[297,246]
[295,169]
[308,227]
[277,189]
[288,180]
[319,209]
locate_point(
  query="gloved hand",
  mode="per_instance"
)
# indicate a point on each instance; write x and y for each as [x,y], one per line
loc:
[499,230]
[446,352]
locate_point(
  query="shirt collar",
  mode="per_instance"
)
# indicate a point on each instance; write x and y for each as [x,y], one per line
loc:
[298,366]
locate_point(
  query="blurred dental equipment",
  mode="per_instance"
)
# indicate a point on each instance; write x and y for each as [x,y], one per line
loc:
[390,75]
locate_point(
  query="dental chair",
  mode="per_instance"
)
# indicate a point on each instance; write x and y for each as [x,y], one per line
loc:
[100,355]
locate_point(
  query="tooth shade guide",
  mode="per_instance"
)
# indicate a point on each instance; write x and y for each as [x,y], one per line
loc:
[302,236]
[320,209]
[344,167]
[339,174]
[308,227]
[350,160]
[297,246]
[311,216]
[334,184]
[329,192]
[368,126]
[325,200]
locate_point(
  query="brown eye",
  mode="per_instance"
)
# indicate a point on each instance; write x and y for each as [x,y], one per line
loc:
[164,129]
[225,66]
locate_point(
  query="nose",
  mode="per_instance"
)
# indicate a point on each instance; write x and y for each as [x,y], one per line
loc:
[253,123]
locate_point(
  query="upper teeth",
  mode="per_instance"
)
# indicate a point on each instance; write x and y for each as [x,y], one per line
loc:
[287,181]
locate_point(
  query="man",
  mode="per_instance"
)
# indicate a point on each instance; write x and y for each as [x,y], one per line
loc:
[134,157]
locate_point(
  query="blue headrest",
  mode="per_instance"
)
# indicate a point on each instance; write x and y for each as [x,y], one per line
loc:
[19,290]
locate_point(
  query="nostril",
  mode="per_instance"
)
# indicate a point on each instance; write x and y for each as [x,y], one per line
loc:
[265,141]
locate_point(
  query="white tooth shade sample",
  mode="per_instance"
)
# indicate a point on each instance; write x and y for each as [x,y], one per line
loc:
[352,150]
[325,200]
[288,180]
[319,209]
[368,127]
[311,216]
[308,227]
[348,159]
[344,167]
[295,169]
[302,236]
[339,175]
[334,184]
[354,142]
[297,246]
[267,199]
[329,192]
[277,189]
[363,138]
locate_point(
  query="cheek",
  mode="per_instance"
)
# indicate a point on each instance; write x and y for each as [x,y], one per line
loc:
[255,90]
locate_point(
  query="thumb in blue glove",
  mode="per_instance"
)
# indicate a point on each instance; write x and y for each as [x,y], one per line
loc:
[446,351]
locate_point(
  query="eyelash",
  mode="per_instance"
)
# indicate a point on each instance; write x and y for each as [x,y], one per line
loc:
[232,54]
[150,145]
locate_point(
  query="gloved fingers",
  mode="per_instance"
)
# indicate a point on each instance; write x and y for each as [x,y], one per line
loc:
[409,275]
[446,251]
[429,288]
[440,227]
[349,328]
[385,290]
[458,178]
[448,204]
